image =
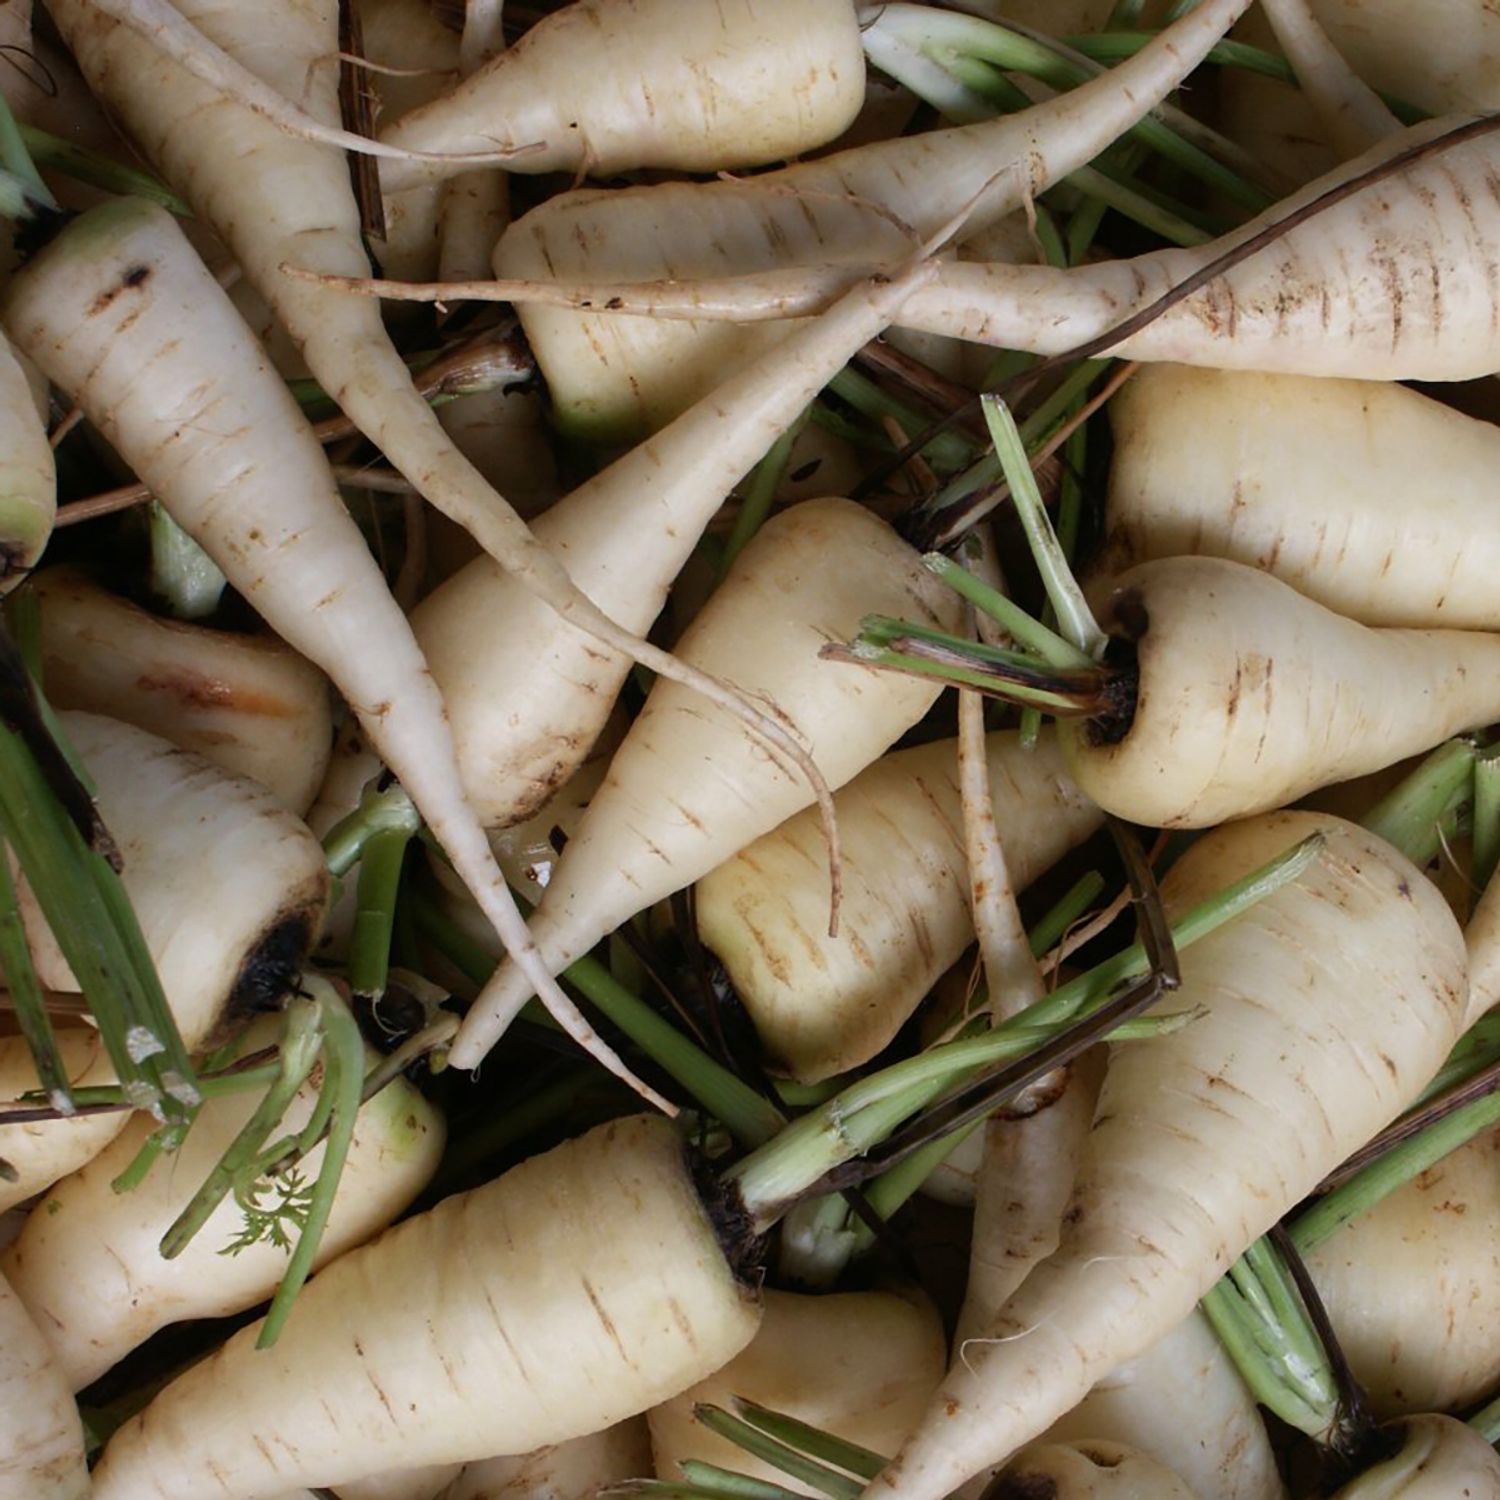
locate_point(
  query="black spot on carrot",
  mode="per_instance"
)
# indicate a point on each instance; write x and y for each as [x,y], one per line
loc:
[615,303]
[136,275]
[1403,889]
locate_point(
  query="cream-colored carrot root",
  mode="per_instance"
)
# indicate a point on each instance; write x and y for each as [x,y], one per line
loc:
[614,377]
[823,1005]
[1483,938]
[566,1471]
[1093,1469]
[1021,1190]
[89,1268]
[1411,1286]
[600,1248]
[861,1365]
[247,703]
[1301,1057]
[402,1484]
[1347,505]
[1297,306]
[1251,696]
[611,85]
[1439,1459]
[41,1437]
[1183,1402]
[528,695]
[688,786]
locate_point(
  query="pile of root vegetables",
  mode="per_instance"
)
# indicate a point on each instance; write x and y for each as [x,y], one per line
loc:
[748,750]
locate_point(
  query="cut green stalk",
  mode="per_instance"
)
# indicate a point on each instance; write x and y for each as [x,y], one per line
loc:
[1272,1355]
[300,1044]
[182,573]
[1486,1422]
[1411,815]
[827,1448]
[748,1116]
[946,453]
[724,1484]
[380,865]
[1486,825]
[818,1239]
[26,996]
[760,1444]
[17,162]
[84,164]
[666,1489]
[344,1060]
[1118,42]
[380,810]
[760,492]
[1052,648]
[1475,1050]
[159,1143]
[1075,619]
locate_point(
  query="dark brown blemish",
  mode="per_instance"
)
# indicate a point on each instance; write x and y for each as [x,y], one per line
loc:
[135,276]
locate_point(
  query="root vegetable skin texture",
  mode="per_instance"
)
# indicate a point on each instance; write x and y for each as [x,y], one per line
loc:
[529,694]
[823,1005]
[1439,1459]
[1250,696]
[600,1247]
[1298,1057]
[249,704]
[1183,1403]
[565,1471]
[1089,1470]
[614,377]
[41,1438]
[403,1484]
[1413,1286]
[88,1265]
[606,86]
[861,1365]
[688,785]
[1400,281]
[1373,499]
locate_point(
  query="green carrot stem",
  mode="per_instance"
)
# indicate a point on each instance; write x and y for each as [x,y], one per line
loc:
[380,866]
[760,1444]
[26,994]
[84,164]
[300,1044]
[1075,619]
[946,452]
[825,1446]
[1475,1050]
[1409,817]
[1486,829]
[748,1116]
[715,1483]
[1007,683]
[379,811]
[160,1142]
[760,492]
[16,160]
[182,573]
[1053,648]
[344,1054]
[1486,1422]
[1361,1192]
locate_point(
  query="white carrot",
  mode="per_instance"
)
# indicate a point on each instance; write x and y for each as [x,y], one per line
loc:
[402,1484]
[247,703]
[566,1471]
[90,1270]
[823,1005]
[1399,280]
[610,85]
[1372,499]
[1093,1469]
[41,1437]
[274,200]
[1183,1402]
[687,786]
[102,308]
[1410,1286]
[1205,1137]
[1248,696]
[859,1365]
[1439,1459]
[612,377]
[528,695]
[601,1248]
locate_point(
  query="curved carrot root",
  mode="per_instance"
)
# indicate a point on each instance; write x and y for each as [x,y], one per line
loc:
[41,1438]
